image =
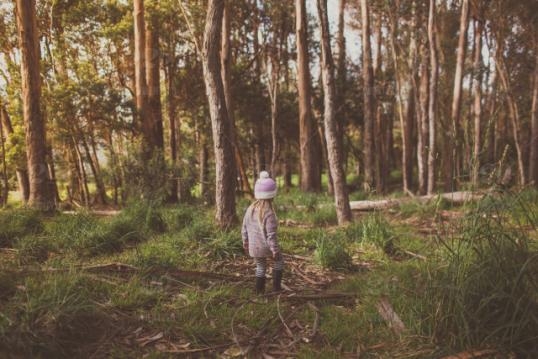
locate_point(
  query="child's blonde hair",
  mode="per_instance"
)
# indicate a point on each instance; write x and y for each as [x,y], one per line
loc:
[263,205]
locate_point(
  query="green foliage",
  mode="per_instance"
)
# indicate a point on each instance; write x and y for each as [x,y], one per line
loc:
[331,252]
[16,224]
[376,230]
[179,217]
[226,244]
[486,295]
[32,249]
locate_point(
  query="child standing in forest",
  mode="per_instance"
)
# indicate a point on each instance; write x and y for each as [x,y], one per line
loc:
[259,232]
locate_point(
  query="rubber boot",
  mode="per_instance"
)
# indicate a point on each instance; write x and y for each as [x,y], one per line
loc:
[260,285]
[277,280]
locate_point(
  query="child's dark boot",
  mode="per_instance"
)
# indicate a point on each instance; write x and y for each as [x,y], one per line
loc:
[277,280]
[260,285]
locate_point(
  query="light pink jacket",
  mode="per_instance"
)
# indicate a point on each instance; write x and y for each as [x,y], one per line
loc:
[261,236]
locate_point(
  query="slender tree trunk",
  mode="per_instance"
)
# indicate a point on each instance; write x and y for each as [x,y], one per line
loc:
[432,103]
[341,69]
[153,79]
[21,172]
[224,159]
[332,135]
[422,148]
[40,195]
[174,138]
[368,99]
[83,177]
[533,155]
[5,187]
[310,174]
[141,90]
[226,62]
[456,135]
[513,111]
[477,101]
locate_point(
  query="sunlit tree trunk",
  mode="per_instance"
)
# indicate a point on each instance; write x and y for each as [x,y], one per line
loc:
[432,102]
[334,142]
[533,155]
[226,62]
[422,138]
[477,101]
[451,162]
[40,195]
[21,172]
[368,99]
[308,137]
[3,166]
[141,89]
[224,159]
[513,111]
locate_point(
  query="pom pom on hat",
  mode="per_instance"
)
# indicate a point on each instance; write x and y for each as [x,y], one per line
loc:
[264,174]
[265,187]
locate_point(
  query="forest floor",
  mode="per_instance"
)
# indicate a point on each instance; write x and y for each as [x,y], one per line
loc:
[163,282]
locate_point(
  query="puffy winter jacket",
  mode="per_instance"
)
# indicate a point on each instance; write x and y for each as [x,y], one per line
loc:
[261,236]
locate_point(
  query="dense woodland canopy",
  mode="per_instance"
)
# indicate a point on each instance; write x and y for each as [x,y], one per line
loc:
[107,100]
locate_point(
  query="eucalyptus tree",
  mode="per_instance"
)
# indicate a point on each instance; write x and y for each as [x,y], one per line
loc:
[41,197]
[332,135]
[224,159]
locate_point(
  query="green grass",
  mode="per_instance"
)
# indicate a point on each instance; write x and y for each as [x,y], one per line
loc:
[473,290]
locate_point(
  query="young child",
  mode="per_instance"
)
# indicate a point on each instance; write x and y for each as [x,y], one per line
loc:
[259,232]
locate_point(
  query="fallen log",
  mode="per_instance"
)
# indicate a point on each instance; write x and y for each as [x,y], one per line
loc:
[460,197]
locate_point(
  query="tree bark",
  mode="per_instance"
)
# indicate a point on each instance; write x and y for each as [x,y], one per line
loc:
[334,141]
[310,173]
[153,80]
[513,111]
[533,155]
[141,89]
[226,62]
[432,102]
[477,102]
[41,197]
[5,183]
[21,172]
[456,135]
[224,159]
[422,139]
[368,99]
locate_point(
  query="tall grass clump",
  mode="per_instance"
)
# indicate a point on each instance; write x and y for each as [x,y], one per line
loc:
[375,229]
[53,316]
[486,295]
[16,224]
[331,252]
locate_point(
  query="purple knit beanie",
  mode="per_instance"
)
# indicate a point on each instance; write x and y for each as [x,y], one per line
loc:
[265,187]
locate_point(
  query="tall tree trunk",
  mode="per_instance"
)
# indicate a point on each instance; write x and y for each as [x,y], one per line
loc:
[224,159]
[141,90]
[477,101]
[153,80]
[40,195]
[456,136]
[174,139]
[21,172]
[310,174]
[533,155]
[368,99]
[5,183]
[226,62]
[432,102]
[332,136]
[513,111]
[341,69]
[422,148]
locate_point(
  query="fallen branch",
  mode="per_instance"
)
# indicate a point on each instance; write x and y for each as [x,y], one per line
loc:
[471,354]
[414,255]
[387,312]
